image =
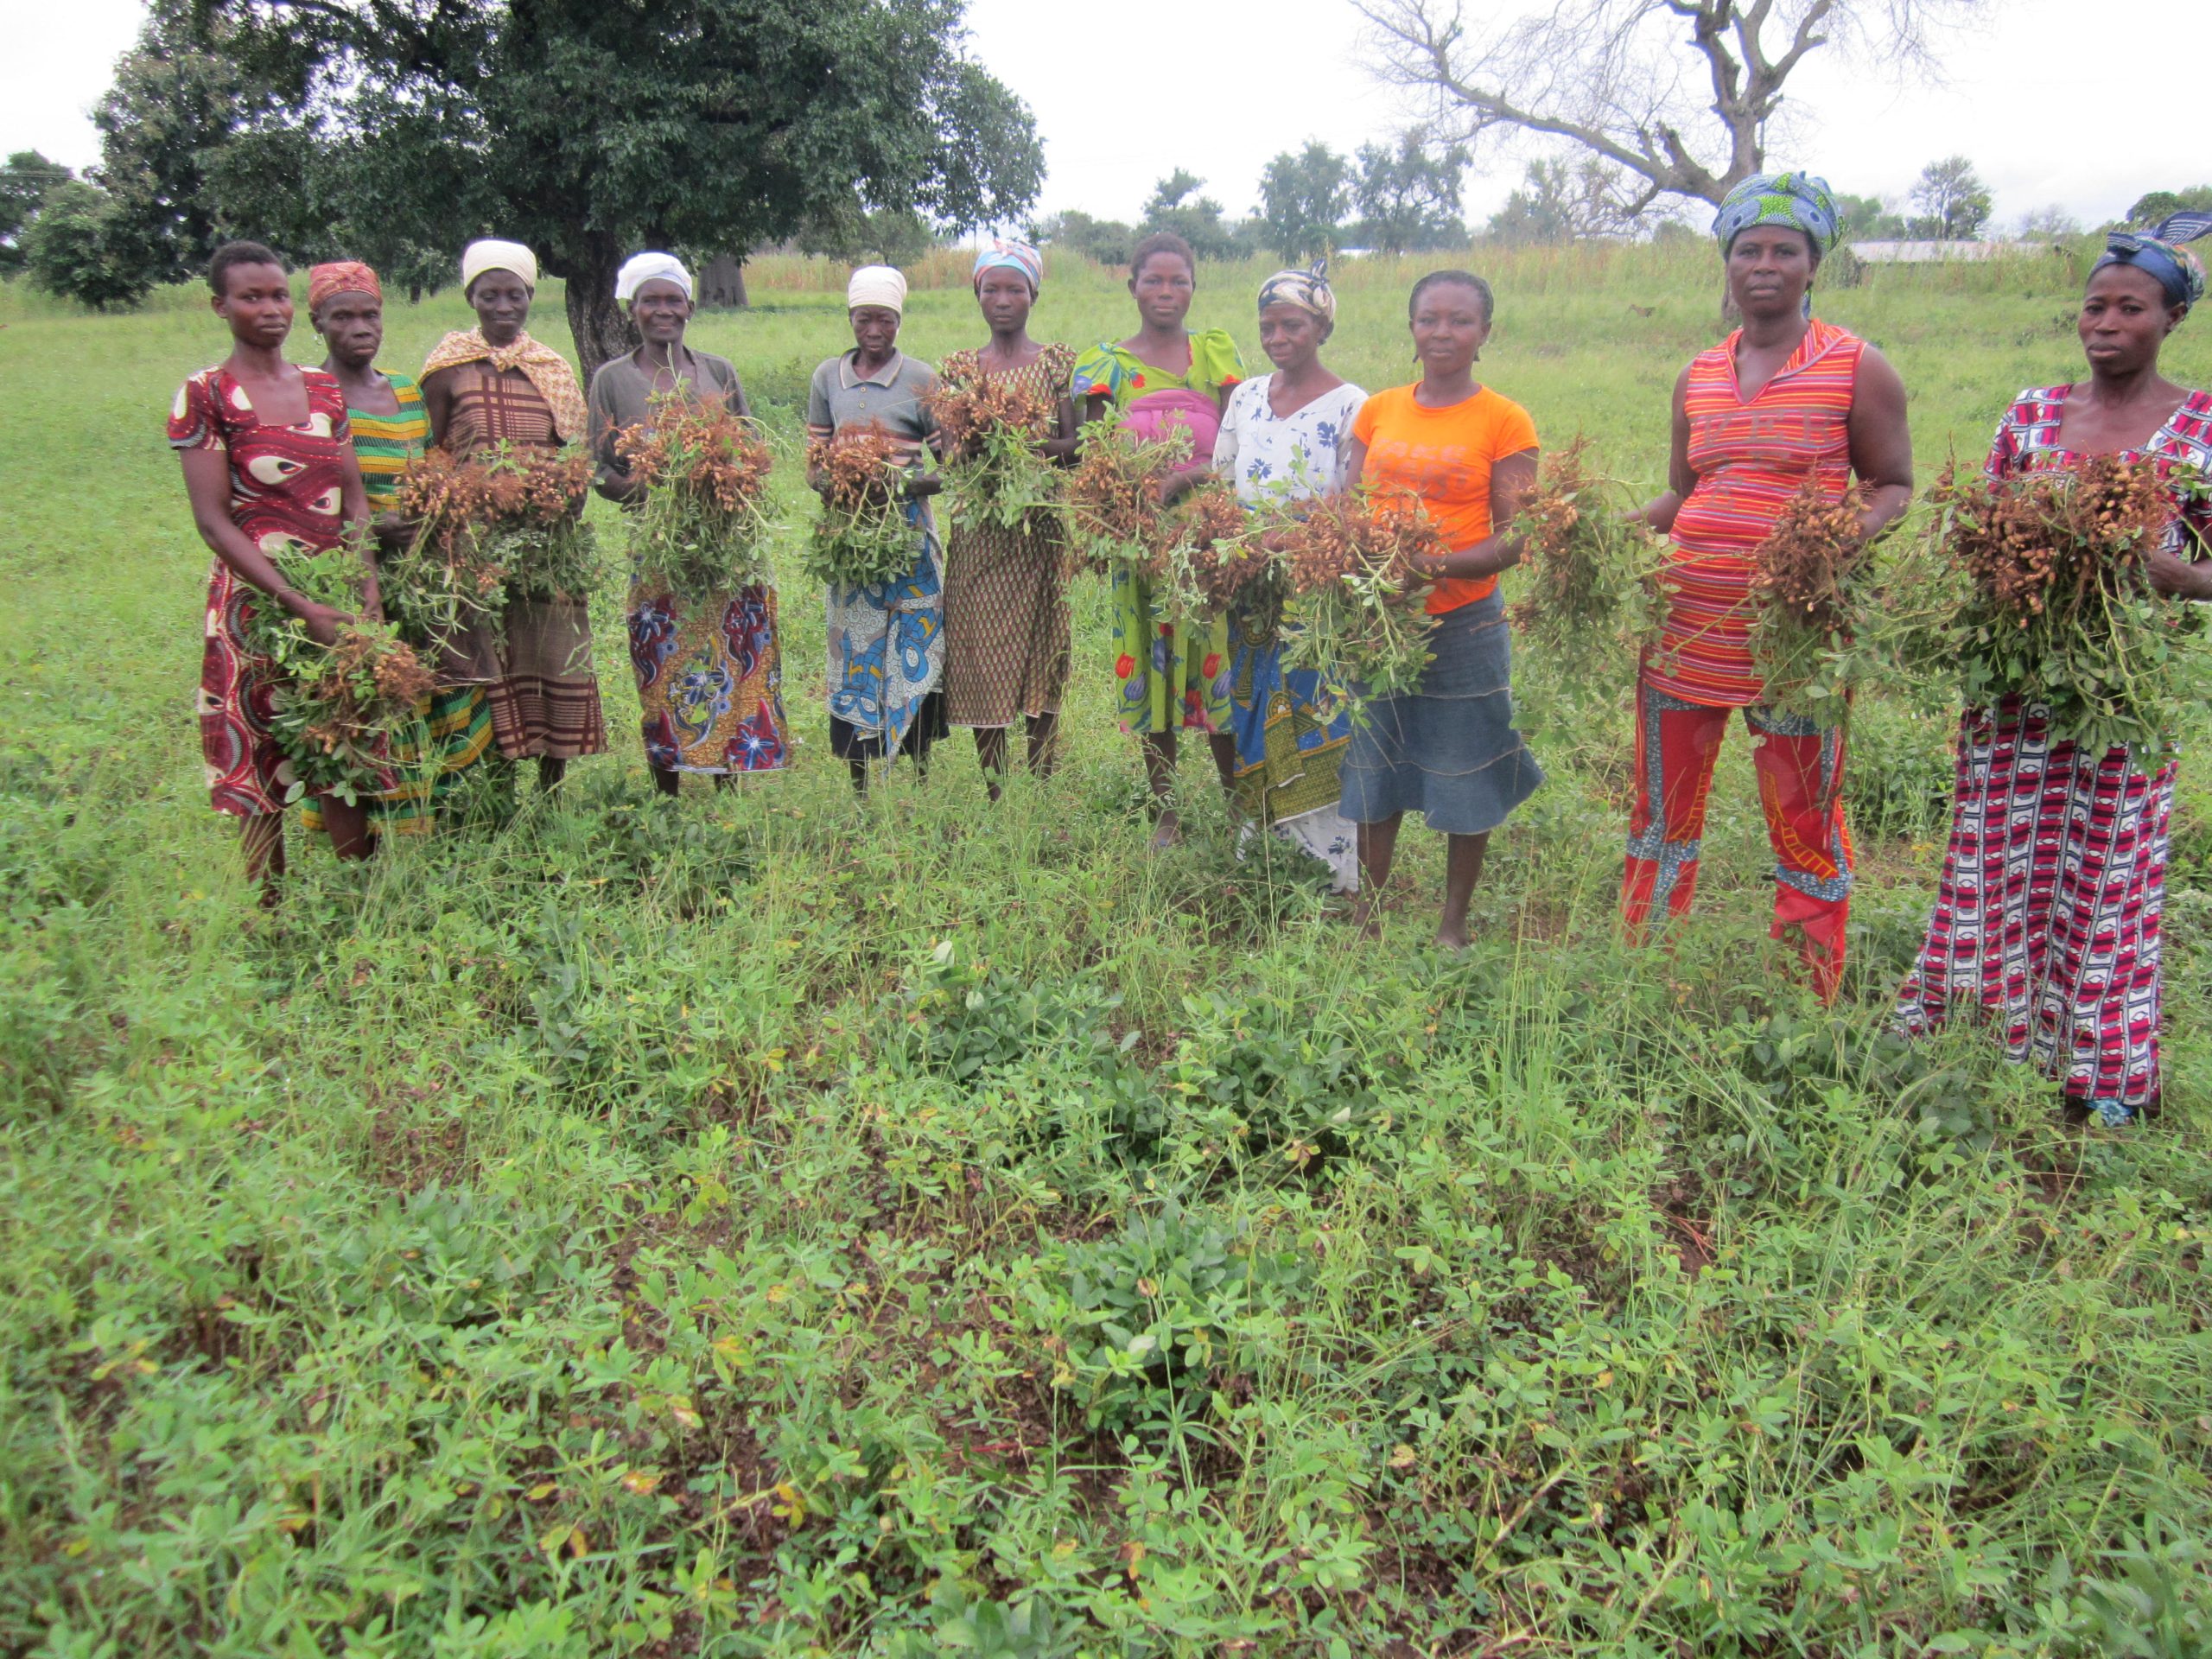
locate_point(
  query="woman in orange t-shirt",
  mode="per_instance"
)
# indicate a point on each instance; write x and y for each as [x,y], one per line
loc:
[1450,749]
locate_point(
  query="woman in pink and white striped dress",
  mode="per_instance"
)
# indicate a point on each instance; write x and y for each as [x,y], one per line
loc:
[2048,911]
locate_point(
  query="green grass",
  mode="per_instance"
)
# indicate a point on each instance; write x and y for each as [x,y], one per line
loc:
[784,1224]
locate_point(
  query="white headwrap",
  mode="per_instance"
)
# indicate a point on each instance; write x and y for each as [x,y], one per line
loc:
[491,254]
[876,285]
[642,268]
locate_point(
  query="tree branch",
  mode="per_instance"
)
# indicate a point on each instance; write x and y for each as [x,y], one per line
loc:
[1617,77]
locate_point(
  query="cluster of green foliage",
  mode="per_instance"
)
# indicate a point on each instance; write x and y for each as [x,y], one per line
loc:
[396,133]
[24,182]
[776,1223]
[1396,198]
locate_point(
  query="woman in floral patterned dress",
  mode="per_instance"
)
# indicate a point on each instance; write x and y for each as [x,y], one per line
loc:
[1286,436]
[1162,378]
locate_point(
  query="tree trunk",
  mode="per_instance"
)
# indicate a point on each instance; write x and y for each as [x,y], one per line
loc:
[595,321]
[721,284]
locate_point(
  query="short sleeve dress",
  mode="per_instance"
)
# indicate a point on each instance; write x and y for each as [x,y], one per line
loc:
[886,641]
[1166,677]
[287,495]
[1005,602]
[1290,737]
[709,675]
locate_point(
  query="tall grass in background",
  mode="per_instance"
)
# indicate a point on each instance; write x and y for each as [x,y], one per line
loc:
[779,1223]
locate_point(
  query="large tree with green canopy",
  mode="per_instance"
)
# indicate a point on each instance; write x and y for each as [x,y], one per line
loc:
[591,130]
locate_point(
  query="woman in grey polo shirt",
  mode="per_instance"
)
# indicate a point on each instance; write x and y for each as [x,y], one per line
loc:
[886,641]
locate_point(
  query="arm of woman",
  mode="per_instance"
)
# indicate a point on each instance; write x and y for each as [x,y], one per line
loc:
[929,450]
[1512,480]
[1091,405]
[353,497]
[2177,577]
[1881,442]
[1224,445]
[207,482]
[1354,465]
[437,403]
[821,424]
[1067,423]
[1659,511]
[610,474]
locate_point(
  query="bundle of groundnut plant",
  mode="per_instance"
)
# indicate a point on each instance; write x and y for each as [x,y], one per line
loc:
[2059,608]
[336,709]
[995,427]
[1362,616]
[863,536]
[705,528]
[1219,562]
[1112,499]
[1588,594]
[1813,599]
[503,525]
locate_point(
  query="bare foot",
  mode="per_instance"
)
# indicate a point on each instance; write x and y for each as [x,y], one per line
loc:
[1170,832]
[1453,940]
[1366,920]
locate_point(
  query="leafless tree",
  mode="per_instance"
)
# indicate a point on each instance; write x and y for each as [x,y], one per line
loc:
[1680,93]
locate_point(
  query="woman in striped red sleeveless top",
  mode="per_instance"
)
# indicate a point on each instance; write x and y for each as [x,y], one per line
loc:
[1784,399]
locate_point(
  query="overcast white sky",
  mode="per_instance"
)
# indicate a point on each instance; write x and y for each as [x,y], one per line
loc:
[2054,101]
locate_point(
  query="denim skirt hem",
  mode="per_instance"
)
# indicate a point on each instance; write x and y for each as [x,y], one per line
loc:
[1450,750]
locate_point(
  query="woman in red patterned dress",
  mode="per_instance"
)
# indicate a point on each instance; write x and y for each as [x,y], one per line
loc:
[269,464]
[2048,911]
[1784,399]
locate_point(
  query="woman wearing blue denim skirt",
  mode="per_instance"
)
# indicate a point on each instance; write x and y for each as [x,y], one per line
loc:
[1450,750]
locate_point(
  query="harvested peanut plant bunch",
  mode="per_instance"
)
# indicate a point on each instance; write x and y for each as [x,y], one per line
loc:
[1362,618]
[336,708]
[995,427]
[1218,562]
[863,536]
[703,529]
[1812,603]
[1588,578]
[505,524]
[2061,611]
[1112,499]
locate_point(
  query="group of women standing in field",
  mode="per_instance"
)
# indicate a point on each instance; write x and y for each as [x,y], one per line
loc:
[2047,916]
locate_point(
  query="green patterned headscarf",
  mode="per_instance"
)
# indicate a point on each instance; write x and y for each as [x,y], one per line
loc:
[1796,199]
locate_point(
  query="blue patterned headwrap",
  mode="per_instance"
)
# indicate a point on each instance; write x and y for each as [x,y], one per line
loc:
[1307,289]
[1796,199]
[1011,256]
[2159,254]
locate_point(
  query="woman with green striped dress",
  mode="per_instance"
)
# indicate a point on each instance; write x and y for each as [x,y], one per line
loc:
[390,429]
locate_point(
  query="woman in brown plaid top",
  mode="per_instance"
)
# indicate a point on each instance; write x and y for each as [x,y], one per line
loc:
[492,385]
